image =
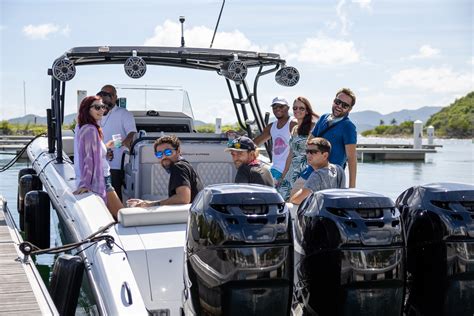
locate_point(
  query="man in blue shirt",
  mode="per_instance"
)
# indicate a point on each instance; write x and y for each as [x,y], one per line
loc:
[339,130]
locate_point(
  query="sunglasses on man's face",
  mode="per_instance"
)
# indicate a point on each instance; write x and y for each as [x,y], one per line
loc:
[312,151]
[99,107]
[341,103]
[167,152]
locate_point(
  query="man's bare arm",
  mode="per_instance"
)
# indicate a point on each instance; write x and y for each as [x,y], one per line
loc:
[127,142]
[182,196]
[300,195]
[352,163]
[262,138]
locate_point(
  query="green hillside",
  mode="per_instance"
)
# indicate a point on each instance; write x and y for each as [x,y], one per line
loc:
[453,121]
[456,120]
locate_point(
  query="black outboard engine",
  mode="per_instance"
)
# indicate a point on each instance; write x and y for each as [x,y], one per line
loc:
[349,255]
[439,225]
[239,252]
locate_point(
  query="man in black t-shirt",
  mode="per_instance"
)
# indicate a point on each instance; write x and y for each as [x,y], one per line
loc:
[184,183]
[249,169]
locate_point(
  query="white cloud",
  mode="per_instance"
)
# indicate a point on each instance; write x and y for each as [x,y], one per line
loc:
[42,31]
[471,61]
[364,4]
[66,31]
[2,27]
[426,51]
[437,79]
[169,34]
[327,51]
[341,14]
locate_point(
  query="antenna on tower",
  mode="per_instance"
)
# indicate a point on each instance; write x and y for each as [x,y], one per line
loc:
[181,20]
[217,24]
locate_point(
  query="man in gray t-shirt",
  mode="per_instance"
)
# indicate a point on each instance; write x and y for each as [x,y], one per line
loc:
[325,175]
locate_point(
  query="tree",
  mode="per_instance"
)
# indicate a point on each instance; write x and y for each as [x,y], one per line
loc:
[393,122]
[382,122]
[456,119]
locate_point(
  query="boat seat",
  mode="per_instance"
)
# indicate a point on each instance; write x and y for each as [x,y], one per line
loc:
[208,159]
[160,215]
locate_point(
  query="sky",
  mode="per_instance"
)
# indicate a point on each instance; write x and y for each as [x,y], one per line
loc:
[394,54]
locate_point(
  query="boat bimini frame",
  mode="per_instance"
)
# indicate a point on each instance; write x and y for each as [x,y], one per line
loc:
[231,64]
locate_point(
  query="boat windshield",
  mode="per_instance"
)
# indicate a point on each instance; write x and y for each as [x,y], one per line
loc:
[158,98]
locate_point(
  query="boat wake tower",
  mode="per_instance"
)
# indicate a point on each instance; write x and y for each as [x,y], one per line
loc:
[232,64]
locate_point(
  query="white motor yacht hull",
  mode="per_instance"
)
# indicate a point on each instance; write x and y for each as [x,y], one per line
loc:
[146,277]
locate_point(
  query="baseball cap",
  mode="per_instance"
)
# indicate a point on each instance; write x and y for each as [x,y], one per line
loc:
[242,143]
[279,100]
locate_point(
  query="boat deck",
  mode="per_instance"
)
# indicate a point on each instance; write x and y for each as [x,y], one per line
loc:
[22,291]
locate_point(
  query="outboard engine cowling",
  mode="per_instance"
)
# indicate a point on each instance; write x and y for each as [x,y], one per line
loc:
[439,224]
[239,254]
[349,255]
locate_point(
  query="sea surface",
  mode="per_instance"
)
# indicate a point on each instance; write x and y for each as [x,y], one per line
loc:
[453,162]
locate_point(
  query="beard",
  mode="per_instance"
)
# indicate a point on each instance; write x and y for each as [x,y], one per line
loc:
[167,164]
[237,164]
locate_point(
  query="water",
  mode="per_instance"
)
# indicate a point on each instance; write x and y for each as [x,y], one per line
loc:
[452,163]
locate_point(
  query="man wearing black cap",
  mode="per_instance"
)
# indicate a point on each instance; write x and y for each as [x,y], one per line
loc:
[249,169]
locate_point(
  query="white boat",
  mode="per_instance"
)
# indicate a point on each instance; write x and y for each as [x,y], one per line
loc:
[140,272]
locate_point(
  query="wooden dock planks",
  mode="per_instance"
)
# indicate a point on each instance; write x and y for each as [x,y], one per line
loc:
[17,295]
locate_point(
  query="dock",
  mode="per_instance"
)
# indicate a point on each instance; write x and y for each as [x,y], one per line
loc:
[401,152]
[22,291]
[13,144]
[365,152]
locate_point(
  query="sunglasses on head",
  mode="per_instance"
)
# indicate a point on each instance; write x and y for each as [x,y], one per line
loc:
[99,107]
[167,152]
[312,151]
[343,104]
[299,108]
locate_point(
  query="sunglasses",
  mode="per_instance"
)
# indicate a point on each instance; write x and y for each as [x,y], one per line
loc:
[104,94]
[299,108]
[313,151]
[167,152]
[99,107]
[343,104]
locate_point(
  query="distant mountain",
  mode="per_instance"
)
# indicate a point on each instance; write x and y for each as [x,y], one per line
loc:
[366,120]
[41,120]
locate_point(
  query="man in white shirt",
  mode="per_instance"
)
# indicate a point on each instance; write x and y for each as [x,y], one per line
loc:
[116,120]
[280,133]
